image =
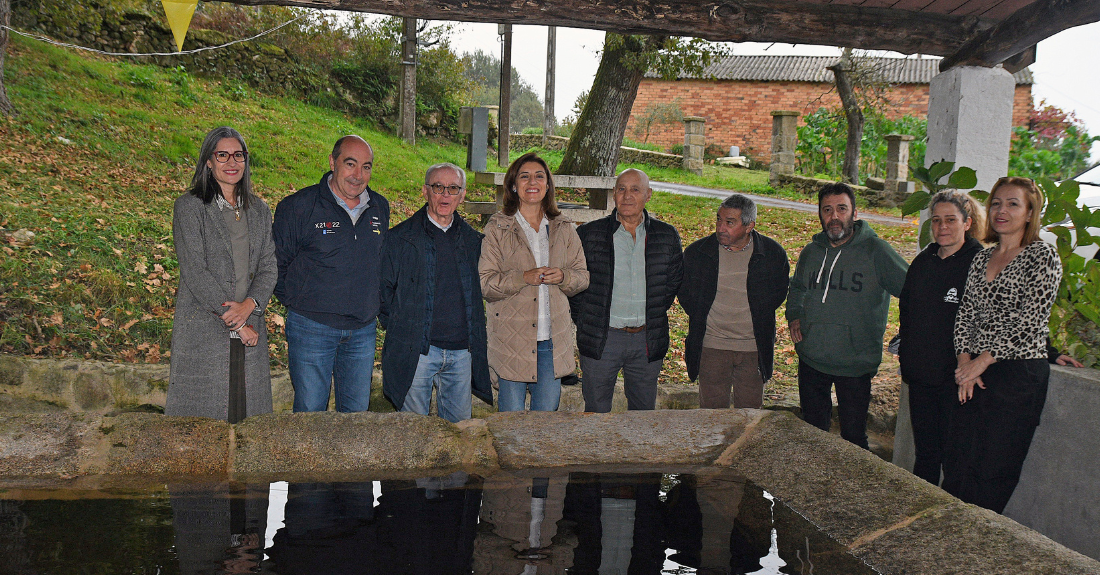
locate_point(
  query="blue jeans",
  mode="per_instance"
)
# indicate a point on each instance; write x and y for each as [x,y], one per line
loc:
[545,393]
[449,371]
[320,355]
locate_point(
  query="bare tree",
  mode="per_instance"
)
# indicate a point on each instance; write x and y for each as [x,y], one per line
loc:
[5,20]
[852,111]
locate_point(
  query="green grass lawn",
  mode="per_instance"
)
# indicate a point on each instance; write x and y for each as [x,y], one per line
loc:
[102,148]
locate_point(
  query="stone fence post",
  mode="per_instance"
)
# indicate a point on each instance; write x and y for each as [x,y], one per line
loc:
[695,140]
[897,164]
[784,144]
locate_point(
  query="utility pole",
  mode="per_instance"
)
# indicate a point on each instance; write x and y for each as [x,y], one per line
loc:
[548,97]
[505,31]
[407,120]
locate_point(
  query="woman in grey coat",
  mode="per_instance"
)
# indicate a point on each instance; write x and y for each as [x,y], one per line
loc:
[222,233]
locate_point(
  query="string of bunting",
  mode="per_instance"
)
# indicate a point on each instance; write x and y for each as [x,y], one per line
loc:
[132,54]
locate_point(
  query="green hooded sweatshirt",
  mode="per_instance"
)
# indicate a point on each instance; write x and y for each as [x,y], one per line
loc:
[842,295]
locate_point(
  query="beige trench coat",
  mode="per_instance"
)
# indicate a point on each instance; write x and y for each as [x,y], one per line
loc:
[513,305]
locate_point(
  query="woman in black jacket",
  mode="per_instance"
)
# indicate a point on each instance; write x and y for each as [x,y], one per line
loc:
[929,302]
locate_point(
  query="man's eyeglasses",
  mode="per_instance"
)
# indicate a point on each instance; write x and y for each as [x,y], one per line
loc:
[223,157]
[442,190]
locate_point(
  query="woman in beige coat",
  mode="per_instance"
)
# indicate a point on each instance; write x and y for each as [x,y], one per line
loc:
[531,261]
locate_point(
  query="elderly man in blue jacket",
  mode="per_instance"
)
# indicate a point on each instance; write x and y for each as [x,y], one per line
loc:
[432,308]
[328,239]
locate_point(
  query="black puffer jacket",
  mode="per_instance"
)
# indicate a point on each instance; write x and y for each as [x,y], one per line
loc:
[664,270]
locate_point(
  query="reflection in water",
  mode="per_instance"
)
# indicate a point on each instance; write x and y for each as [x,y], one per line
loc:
[218,528]
[556,523]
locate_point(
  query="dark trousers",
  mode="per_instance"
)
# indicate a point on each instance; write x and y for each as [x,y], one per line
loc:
[626,352]
[238,408]
[991,433]
[853,396]
[931,408]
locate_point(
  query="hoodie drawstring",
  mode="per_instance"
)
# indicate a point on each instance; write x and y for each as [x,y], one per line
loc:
[829,279]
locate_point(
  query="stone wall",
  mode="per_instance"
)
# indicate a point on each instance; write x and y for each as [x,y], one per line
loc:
[738,112]
[890,520]
[1057,493]
[626,155]
[874,198]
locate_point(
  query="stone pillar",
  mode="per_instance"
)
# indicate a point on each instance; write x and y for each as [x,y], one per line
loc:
[474,122]
[784,143]
[897,164]
[695,141]
[970,120]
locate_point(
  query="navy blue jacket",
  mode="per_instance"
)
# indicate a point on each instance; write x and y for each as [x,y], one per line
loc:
[408,297]
[329,267]
[769,271]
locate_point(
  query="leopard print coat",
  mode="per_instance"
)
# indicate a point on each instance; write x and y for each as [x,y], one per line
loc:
[1008,316]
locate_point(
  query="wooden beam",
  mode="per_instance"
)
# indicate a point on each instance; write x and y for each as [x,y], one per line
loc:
[1026,27]
[798,22]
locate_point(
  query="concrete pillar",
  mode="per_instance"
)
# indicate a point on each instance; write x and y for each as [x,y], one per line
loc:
[695,141]
[784,143]
[970,120]
[897,164]
[474,122]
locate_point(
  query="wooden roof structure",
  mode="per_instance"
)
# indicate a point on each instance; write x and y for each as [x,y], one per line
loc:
[964,32]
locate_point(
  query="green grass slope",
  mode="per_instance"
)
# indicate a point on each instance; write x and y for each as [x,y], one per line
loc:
[102,148]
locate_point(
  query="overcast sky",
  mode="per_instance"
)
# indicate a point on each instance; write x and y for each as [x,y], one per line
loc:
[1067,69]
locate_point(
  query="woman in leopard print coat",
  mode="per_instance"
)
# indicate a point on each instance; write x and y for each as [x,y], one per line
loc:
[1000,338]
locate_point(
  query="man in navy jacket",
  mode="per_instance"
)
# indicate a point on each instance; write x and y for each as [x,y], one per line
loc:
[328,239]
[432,308]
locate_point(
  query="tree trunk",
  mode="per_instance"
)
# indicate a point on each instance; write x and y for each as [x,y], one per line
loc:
[5,19]
[593,149]
[853,112]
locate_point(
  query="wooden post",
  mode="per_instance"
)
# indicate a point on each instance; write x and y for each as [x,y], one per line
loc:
[407,121]
[548,98]
[505,30]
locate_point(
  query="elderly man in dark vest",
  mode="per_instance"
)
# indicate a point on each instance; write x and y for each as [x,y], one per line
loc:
[635,265]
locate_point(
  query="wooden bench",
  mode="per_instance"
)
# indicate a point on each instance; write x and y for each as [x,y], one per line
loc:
[600,198]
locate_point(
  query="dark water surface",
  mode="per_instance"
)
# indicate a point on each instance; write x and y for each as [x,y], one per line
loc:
[548,522]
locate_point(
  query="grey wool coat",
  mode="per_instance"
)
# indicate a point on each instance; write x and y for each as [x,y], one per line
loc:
[199,377]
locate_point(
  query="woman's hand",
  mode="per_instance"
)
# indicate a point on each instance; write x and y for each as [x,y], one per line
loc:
[1067,360]
[249,337]
[969,372]
[553,276]
[543,275]
[238,312]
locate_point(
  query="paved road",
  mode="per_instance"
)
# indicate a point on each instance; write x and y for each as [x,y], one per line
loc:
[767,201]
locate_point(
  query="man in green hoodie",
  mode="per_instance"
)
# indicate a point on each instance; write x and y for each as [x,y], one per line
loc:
[836,311]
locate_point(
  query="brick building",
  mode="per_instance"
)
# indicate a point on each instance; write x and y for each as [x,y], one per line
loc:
[737,102]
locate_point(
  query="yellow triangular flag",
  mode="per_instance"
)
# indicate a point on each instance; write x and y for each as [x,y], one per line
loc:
[179,13]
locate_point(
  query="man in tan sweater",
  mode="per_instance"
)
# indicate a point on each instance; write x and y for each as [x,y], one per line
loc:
[734,280]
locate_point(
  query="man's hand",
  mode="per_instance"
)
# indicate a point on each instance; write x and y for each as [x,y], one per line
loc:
[238,312]
[795,326]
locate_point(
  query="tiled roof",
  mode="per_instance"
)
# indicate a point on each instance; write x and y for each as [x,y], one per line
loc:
[813,69]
